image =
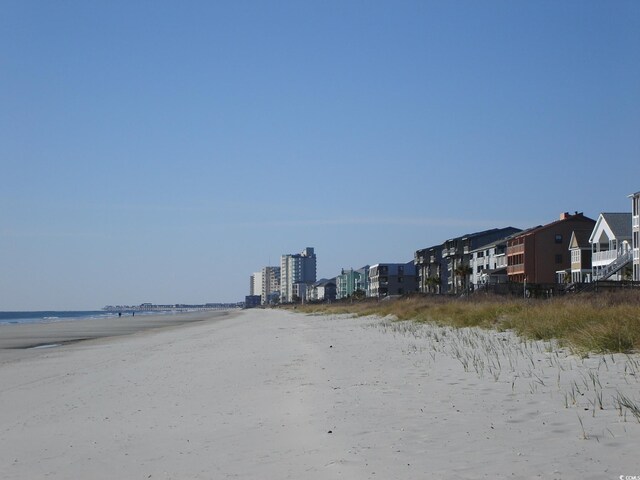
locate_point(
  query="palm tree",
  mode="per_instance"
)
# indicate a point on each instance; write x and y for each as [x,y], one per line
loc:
[462,271]
[433,283]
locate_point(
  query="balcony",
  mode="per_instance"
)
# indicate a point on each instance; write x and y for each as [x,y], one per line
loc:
[515,269]
[604,256]
[515,249]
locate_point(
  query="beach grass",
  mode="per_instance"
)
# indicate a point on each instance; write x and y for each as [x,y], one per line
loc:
[599,323]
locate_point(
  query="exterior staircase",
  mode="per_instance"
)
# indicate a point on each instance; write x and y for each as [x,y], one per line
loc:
[615,266]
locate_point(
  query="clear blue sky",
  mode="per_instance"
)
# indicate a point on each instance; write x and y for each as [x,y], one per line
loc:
[155,151]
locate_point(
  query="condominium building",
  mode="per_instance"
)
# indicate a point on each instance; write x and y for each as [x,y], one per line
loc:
[352,281]
[635,234]
[270,285]
[297,272]
[255,284]
[535,255]
[387,279]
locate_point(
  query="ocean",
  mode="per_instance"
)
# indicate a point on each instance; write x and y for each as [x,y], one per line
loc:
[52,316]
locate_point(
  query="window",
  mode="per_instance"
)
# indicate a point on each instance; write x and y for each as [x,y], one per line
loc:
[558,238]
[559,258]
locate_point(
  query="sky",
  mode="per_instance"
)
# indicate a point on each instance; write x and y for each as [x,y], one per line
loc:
[163,151]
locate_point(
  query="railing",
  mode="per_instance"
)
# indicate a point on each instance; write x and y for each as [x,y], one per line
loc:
[516,249]
[604,256]
[511,269]
[614,266]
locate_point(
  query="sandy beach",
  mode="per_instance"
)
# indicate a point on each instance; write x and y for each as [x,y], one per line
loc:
[273,394]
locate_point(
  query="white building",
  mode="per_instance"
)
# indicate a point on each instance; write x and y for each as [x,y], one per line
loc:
[635,234]
[489,264]
[255,285]
[610,246]
[297,271]
[270,284]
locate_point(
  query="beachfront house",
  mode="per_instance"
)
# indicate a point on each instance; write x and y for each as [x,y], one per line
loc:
[635,234]
[536,254]
[323,290]
[388,279]
[580,253]
[610,242]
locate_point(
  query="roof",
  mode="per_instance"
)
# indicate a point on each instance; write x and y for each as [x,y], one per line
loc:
[566,217]
[582,238]
[619,223]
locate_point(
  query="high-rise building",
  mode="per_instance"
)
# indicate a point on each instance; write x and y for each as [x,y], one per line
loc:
[296,272]
[270,284]
[255,284]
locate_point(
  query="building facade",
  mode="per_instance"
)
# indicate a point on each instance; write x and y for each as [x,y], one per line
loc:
[635,234]
[456,255]
[535,255]
[611,246]
[580,252]
[386,279]
[270,285]
[352,281]
[297,272]
[428,264]
[255,284]
[489,264]
[323,290]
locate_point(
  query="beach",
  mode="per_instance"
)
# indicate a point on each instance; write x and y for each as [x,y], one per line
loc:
[264,394]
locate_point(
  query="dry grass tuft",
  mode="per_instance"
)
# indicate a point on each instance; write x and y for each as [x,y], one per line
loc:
[594,323]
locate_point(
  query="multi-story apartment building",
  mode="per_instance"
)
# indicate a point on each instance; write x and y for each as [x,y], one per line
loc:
[351,281]
[535,255]
[255,284]
[489,264]
[456,255]
[635,234]
[387,279]
[297,271]
[270,285]
[428,263]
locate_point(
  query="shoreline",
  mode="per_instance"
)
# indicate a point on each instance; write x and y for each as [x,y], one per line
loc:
[35,337]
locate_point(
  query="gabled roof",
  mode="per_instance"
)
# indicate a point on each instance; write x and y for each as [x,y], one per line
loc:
[580,239]
[324,282]
[619,223]
[564,218]
[613,225]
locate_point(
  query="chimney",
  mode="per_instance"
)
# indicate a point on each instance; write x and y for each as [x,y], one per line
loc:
[564,215]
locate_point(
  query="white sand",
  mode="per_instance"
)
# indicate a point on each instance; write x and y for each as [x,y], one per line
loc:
[255,397]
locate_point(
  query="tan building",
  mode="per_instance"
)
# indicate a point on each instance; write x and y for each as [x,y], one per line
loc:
[535,255]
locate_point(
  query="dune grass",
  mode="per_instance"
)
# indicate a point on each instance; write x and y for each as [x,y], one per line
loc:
[599,323]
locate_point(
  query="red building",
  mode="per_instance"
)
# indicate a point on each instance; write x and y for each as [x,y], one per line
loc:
[535,255]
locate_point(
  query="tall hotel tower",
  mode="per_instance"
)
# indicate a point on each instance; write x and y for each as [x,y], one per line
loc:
[296,272]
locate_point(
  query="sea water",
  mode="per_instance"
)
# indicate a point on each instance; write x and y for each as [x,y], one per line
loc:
[52,316]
